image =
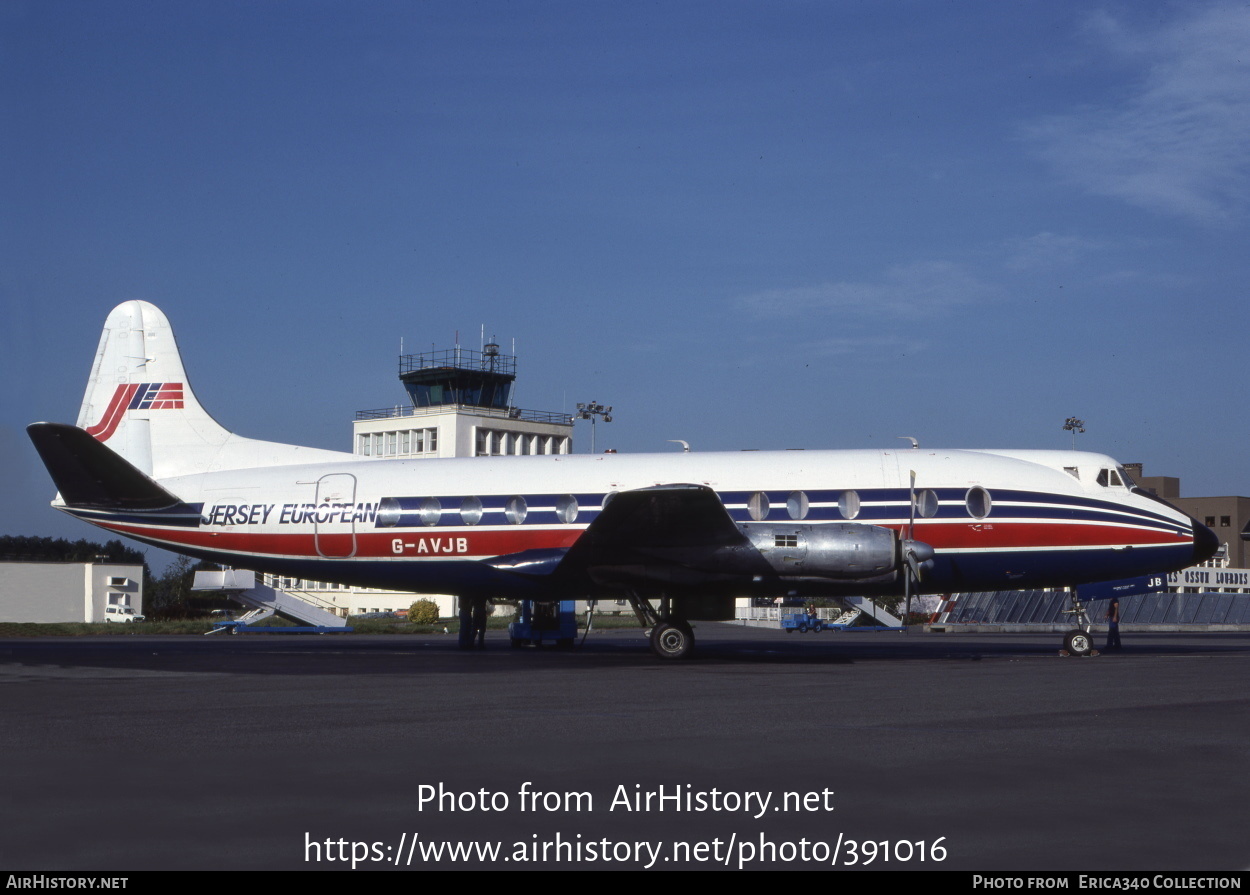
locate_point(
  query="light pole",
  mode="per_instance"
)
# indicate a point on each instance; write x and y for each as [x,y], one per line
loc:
[1073,425]
[590,412]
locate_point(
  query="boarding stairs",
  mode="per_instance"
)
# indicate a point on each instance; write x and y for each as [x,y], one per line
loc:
[846,619]
[874,611]
[265,602]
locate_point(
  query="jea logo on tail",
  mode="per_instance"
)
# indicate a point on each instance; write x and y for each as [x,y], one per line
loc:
[136,396]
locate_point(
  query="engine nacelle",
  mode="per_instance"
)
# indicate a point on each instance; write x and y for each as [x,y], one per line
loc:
[846,551]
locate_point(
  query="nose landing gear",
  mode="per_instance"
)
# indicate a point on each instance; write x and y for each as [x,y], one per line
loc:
[1079,641]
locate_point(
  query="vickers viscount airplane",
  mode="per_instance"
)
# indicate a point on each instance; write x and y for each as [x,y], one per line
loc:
[679,534]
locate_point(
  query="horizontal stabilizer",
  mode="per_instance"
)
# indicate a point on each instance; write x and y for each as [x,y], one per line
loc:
[88,474]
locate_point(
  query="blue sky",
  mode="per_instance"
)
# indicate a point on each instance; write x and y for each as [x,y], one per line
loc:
[746,225]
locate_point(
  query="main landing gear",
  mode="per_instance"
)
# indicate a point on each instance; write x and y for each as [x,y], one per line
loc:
[1079,641]
[671,637]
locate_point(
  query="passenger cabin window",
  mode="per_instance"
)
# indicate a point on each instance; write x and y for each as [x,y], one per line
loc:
[388,512]
[848,504]
[797,505]
[514,510]
[470,511]
[978,502]
[758,506]
[566,509]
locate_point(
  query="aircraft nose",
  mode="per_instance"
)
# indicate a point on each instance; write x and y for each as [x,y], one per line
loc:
[1205,542]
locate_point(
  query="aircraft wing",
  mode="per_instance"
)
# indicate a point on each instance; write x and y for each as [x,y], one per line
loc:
[665,535]
[664,516]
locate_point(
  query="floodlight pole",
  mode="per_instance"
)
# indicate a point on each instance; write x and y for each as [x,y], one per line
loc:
[592,412]
[1073,425]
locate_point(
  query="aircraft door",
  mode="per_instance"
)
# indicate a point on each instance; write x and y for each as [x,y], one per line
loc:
[335,532]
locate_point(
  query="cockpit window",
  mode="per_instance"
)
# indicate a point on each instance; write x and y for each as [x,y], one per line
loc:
[1073,471]
[1109,477]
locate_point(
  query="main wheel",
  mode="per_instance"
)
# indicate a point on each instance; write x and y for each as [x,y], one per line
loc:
[1078,643]
[672,640]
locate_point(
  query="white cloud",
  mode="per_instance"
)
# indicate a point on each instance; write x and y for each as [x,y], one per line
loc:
[916,290]
[1178,142]
[877,346]
[1045,250]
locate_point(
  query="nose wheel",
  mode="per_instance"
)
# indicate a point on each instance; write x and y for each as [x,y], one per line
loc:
[1078,641]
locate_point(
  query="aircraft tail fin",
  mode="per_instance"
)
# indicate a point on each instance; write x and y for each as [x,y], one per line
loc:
[139,403]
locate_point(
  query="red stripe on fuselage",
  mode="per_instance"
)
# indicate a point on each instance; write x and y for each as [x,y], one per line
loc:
[478,544]
[370,544]
[1034,534]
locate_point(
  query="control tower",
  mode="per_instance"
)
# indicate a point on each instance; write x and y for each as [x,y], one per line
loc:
[460,376]
[459,405]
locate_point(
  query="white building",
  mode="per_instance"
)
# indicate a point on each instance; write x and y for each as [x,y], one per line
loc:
[46,592]
[459,405]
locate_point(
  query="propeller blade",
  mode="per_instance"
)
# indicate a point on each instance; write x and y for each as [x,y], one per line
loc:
[911,516]
[909,566]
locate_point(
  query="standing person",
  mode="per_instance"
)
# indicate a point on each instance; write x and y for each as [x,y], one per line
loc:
[1113,624]
[479,622]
